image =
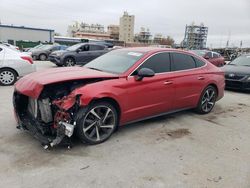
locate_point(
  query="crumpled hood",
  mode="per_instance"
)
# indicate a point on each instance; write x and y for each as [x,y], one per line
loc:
[32,84]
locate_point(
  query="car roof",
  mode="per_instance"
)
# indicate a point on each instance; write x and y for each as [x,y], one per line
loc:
[152,49]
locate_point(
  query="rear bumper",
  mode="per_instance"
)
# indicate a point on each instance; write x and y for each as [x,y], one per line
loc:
[239,85]
[27,70]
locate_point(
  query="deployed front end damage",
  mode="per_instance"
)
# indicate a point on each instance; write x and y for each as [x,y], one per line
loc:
[51,118]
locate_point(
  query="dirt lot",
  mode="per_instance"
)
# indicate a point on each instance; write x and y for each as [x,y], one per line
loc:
[179,150]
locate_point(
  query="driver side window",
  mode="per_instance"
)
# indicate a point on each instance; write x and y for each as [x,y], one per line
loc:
[84,48]
[209,54]
[159,63]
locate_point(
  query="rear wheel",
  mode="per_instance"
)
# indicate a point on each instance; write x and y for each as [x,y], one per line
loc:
[7,77]
[207,100]
[69,62]
[43,57]
[97,123]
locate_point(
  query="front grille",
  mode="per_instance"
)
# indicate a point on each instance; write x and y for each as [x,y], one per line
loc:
[234,76]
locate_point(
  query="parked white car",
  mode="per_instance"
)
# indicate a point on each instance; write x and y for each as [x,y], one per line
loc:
[11,46]
[14,64]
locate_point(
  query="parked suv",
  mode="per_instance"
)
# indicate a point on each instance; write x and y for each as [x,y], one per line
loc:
[213,57]
[80,54]
[42,53]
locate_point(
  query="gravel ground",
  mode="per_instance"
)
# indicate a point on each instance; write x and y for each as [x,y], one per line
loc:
[180,150]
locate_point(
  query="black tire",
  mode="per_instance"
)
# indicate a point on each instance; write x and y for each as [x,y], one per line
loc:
[207,100]
[69,62]
[7,77]
[43,57]
[92,130]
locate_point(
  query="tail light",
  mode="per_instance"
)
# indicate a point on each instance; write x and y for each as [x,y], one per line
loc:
[27,58]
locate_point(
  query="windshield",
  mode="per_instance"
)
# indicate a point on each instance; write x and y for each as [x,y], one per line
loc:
[200,52]
[241,61]
[39,46]
[45,47]
[74,47]
[117,61]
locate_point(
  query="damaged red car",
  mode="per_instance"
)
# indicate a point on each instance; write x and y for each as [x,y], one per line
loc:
[118,88]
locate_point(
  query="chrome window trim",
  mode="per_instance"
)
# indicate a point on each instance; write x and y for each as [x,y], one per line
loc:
[171,62]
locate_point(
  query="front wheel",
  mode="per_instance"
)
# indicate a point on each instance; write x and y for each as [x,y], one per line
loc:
[7,77]
[69,62]
[207,100]
[97,123]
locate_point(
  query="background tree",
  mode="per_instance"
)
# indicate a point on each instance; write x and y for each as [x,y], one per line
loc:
[167,41]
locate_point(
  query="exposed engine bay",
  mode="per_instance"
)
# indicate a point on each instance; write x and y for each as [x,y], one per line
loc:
[44,117]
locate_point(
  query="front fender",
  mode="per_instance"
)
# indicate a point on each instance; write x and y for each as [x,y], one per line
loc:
[87,94]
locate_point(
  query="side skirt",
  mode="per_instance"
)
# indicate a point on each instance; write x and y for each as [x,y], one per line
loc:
[162,114]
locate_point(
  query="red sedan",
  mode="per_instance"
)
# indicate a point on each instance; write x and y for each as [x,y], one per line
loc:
[213,57]
[118,88]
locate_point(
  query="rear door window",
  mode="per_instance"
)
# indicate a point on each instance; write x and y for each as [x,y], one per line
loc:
[199,63]
[182,62]
[96,47]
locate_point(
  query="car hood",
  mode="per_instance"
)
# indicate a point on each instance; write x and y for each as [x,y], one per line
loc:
[243,70]
[32,84]
[58,52]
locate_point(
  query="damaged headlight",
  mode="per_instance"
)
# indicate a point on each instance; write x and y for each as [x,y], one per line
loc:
[69,128]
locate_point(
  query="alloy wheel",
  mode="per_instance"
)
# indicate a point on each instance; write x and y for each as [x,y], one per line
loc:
[70,62]
[99,123]
[7,77]
[208,99]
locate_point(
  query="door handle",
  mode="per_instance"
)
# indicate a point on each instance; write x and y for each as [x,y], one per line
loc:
[201,78]
[169,82]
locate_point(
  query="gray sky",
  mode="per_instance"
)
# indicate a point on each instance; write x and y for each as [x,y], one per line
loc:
[226,19]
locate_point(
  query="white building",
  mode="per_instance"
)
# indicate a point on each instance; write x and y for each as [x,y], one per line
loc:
[85,28]
[126,32]
[12,34]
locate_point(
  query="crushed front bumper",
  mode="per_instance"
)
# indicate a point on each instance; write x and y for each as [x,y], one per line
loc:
[47,134]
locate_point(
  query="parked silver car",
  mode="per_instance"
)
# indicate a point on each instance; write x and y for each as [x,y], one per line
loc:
[42,53]
[14,64]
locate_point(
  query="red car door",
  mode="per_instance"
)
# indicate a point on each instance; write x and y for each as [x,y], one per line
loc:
[189,81]
[150,96]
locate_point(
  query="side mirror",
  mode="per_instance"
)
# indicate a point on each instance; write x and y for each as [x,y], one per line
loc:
[78,50]
[207,57]
[144,72]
